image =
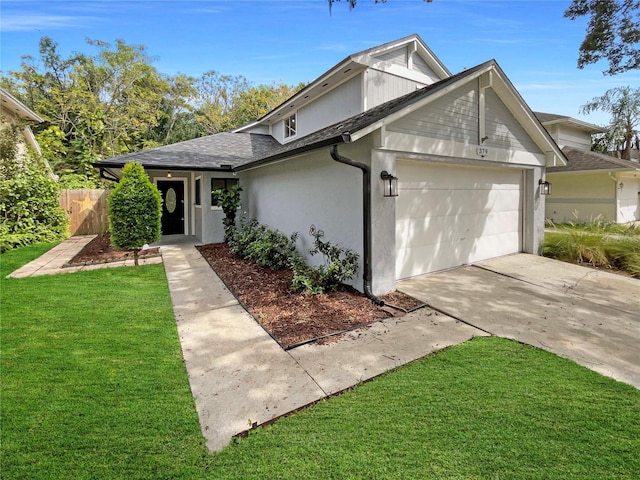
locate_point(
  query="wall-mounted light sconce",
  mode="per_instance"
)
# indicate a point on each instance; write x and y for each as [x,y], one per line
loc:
[169,174]
[621,186]
[545,187]
[390,184]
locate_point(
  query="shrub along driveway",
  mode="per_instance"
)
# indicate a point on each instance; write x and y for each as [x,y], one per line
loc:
[589,316]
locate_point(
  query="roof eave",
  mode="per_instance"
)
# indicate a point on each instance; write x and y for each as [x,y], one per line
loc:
[335,140]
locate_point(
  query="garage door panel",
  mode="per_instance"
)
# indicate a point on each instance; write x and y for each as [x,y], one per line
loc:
[433,230]
[439,256]
[416,204]
[449,215]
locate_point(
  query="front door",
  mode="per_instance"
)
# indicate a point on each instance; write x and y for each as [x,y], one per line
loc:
[172,193]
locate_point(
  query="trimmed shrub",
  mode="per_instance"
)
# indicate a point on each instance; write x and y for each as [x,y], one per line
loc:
[135,209]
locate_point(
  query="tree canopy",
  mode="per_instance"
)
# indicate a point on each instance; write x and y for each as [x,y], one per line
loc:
[623,104]
[613,33]
[113,101]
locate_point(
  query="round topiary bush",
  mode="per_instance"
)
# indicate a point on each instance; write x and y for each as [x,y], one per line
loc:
[135,209]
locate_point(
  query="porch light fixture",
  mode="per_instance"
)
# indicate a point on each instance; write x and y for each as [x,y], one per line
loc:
[390,184]
[169,174]
[545,187]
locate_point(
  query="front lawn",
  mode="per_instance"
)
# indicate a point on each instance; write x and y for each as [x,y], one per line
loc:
[93,386]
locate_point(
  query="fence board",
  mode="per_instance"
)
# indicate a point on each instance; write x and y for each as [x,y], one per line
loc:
[86,209]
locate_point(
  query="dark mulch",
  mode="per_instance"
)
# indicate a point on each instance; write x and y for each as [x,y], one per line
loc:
[291,317]
[100,250]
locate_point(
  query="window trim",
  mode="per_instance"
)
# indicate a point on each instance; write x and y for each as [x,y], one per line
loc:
[197,191]
[228,183]
[288,131]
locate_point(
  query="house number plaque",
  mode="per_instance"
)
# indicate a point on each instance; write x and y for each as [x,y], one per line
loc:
[482,151]
[170,200]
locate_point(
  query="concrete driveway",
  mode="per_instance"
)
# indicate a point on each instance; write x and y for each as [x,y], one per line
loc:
[589,316]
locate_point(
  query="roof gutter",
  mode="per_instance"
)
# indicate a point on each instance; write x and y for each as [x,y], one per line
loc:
[366,216]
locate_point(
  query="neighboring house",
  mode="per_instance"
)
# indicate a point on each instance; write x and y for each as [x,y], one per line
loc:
[14,112]
[467,152]
[591,185]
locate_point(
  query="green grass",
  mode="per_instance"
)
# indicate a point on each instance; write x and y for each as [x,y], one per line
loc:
[93,386]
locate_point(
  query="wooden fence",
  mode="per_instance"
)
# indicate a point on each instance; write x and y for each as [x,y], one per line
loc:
[86,209]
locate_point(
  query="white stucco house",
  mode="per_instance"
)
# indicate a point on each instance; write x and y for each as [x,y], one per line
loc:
[15,113]
[591,185]
[467,152]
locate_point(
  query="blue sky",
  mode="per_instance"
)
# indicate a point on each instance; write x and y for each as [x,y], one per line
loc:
[295,41]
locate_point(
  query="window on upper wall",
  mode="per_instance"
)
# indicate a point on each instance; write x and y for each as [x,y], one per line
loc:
[290,126]
[197,190]
[224,184]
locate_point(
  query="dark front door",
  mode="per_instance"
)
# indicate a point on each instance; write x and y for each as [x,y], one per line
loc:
[172,206]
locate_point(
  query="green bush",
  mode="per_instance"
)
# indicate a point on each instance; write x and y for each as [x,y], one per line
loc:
[29,197]
[266,247]
[340,265]
[135,209]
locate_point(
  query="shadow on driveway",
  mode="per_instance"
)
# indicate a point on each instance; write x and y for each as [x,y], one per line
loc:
[589,316]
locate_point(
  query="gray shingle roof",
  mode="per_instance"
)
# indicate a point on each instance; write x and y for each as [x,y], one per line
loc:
[584,160]
[241,151]
[212,152]
[245,150]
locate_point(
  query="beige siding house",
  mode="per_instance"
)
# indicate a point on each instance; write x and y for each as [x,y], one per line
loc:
[591,186]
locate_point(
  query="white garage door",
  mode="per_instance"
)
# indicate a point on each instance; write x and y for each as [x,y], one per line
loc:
[453,215]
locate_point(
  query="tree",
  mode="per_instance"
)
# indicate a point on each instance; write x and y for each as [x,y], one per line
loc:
[135,209]
[215,100]
[29,208]
[623,104]
[613,33]
[255,102]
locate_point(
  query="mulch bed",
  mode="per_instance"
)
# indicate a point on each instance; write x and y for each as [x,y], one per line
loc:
[293,318]
[100,250]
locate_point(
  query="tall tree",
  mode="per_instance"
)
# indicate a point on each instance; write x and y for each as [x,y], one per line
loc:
[255,102]
[613,33]
[215,100]
[623,104]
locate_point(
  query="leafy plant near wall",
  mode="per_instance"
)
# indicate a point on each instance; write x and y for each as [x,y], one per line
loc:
[266,247]
[229,201]
[135,209]
[275,250]
[29,205]
[340,265]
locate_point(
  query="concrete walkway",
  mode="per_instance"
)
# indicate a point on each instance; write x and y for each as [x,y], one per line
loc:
[52,262]
[240,377]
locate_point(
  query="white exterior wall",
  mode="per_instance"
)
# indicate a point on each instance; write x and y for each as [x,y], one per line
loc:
[311,189]
[212,230]
[503,129]
[581,197]
[380,87]
[628,202]
[340,103]
[566,136]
